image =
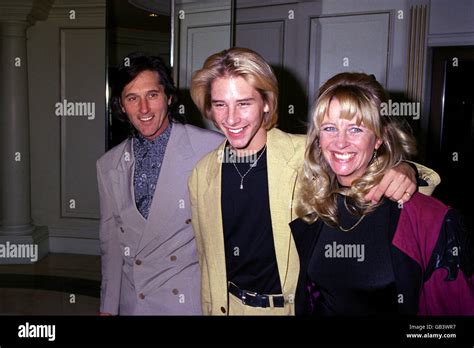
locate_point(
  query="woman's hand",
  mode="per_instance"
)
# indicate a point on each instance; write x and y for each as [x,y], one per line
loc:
[398,184]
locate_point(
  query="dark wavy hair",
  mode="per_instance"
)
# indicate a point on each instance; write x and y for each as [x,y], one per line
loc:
[132,65]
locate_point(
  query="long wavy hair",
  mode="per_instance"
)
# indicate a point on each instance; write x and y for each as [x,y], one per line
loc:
[360,96]
[236,62]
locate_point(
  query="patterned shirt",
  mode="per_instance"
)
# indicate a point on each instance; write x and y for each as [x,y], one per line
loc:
[148,160]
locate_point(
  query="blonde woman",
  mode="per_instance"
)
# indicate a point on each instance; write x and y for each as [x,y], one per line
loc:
[361,258]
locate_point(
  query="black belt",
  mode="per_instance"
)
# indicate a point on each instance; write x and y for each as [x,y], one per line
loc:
[255,300]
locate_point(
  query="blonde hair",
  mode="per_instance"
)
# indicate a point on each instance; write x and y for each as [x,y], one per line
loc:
[236,62]
[359,96]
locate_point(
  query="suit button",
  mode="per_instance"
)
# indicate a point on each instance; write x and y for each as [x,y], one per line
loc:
[175,291]
[173,258]
[141,296]
[223,310]
[188,221]
[138,262]
[122,230]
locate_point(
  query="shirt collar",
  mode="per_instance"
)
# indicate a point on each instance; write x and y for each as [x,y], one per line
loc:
[140,142]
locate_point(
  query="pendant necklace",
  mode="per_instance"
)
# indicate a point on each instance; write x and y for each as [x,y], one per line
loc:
[253,165]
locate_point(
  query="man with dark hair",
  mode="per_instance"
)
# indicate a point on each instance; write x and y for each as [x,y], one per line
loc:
[149,261]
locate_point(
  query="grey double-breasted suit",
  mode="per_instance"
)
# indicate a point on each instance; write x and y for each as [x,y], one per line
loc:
[150,267]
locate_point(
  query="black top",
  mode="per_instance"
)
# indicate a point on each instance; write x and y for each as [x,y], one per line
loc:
[353,270]
[408,274]
[250,252]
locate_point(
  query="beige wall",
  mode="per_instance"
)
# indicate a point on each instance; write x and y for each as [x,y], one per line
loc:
[66,60]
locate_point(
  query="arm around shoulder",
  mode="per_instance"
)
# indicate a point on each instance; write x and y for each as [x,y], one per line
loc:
[429,176]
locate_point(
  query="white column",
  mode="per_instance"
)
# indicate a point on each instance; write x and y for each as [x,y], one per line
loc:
[14,131]
[16,227]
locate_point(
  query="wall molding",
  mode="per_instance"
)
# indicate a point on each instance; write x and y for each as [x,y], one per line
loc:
[125,34]
[81,210]
[25,10]
[65,237]
[88,9]
[40,11]
[195,6]
[457,39]
[417,52]
[73,245]
[13,11]
[316,23]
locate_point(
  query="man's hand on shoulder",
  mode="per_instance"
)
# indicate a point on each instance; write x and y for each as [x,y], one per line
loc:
[398,184]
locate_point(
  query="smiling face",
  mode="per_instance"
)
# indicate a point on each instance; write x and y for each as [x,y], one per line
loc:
[238,110]
[146,104]
[346,146]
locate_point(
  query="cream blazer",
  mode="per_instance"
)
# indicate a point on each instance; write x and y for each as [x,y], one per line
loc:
[284,158]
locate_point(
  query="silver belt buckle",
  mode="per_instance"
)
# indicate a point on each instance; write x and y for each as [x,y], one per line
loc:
[249,293]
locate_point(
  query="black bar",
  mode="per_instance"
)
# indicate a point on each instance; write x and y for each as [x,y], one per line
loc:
[135,331]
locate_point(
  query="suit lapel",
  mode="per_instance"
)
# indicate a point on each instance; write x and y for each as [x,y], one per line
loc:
[122,186]
[168,197]
[282,174]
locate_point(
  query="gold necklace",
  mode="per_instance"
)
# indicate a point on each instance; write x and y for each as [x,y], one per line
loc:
[353,226]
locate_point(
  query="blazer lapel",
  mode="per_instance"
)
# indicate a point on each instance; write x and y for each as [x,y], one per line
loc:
[168,198]
[282,174]
[215,240]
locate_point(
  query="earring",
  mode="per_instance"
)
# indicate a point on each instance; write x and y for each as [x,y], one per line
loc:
[374,157]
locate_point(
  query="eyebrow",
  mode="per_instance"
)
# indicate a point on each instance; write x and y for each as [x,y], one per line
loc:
[349,125]
[238,101]
[135,94]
